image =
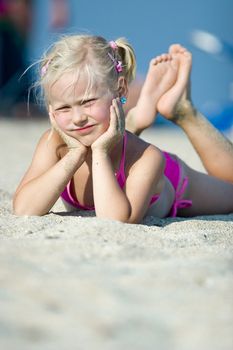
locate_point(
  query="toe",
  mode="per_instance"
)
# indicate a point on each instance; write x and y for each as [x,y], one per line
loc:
[175,48]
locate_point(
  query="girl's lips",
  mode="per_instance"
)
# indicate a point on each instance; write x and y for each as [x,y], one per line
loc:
[84,129]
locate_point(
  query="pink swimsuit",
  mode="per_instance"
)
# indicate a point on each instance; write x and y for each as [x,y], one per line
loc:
[172,172]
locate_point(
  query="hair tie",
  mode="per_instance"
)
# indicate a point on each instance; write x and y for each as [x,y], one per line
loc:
[45,68]
[117,64]
[113,44]
[119,67]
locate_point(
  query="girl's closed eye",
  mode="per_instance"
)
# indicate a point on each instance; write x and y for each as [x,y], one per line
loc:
[90,102]
[65,108]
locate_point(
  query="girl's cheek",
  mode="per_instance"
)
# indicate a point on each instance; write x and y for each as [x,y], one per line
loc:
[61,122]
[103,114]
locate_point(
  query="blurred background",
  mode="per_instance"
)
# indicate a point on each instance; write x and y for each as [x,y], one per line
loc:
[28,27]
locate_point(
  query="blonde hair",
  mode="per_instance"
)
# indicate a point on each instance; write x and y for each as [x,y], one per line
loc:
[88,54]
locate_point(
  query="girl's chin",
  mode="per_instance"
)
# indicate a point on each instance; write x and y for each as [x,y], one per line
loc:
[86,142]
[88,139]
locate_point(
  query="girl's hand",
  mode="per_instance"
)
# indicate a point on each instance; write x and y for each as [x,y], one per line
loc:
[71,142]
[115,130]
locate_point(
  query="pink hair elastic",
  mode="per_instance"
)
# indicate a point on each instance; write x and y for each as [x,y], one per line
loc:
[117,64]
[113,44]
[45,68]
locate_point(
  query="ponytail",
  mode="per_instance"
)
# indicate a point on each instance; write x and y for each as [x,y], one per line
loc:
[128,58]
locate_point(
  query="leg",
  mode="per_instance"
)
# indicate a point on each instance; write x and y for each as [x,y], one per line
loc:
[161,76]
[215,151]
[210,195]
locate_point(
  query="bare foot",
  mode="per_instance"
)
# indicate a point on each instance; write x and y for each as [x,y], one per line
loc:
[161,76]
[176,102]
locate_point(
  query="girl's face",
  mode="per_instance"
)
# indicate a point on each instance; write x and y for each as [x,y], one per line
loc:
[82,117]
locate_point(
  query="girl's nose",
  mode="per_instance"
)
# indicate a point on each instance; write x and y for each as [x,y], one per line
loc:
[79,117]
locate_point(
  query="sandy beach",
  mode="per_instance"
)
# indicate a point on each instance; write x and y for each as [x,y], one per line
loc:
[72,281]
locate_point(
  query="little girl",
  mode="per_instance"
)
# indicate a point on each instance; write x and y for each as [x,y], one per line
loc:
[90,160]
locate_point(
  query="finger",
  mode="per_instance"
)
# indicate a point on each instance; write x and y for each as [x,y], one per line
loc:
[52,120]
[113,118]
[54,124]
[51,116]
[120,114]
[55,127]
[118,111]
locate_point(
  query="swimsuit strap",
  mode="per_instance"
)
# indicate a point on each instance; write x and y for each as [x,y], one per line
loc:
[179,202]
[120,175]
[172,170]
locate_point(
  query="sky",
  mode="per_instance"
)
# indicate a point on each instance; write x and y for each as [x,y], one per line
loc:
[151,26]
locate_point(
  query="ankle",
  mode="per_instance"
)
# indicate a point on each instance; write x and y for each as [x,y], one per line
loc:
[185,112]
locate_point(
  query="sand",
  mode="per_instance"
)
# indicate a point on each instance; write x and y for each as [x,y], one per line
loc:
[72,281]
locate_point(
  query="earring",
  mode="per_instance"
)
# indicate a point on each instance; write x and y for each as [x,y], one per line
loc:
[123,100]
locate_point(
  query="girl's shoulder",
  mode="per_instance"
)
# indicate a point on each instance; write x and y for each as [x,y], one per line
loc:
[139,149]
[53,143]
[145,163]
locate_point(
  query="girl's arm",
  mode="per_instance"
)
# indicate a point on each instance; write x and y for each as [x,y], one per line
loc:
[146,176]
[46,177]
[131,203]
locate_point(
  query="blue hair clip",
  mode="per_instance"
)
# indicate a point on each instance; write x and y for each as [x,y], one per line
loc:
[123,100]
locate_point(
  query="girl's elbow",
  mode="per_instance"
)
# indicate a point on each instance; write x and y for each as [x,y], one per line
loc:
[21,210]
[25,212]
[16,208]
[18,211]
[116,215]
[134,220]
[128,218]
